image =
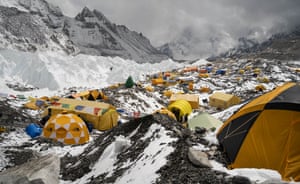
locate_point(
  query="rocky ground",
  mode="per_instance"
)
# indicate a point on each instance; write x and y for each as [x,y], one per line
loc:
[179,167]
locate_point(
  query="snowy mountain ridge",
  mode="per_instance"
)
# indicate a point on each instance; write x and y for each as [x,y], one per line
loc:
[31,25]
[190,45]
[282,46]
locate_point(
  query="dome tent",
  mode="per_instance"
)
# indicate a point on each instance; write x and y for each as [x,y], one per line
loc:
[265,133]
[129,82]
[181,109]
[204,120]
[67,128]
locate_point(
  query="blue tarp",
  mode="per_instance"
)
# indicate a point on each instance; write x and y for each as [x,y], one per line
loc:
[33,130]
[221,72]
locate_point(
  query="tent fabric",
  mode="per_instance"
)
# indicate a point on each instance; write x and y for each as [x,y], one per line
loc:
[166,112]
[181,109]
[89,95]
[129,82]
[265,133]
[223,100]
[193,99]
[31,105]
[36,104]
[89,111]
[191,69]
[157,81]
[108,120]
[67,128]
[204,120]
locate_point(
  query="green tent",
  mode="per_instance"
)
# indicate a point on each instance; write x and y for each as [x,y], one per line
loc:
[204,120]
[129,82]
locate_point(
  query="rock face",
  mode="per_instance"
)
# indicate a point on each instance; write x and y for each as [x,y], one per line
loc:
[37,25]
[93,33]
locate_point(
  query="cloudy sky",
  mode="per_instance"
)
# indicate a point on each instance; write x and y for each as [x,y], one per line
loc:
[165,20]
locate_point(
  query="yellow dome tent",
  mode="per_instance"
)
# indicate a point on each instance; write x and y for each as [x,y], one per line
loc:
[67,128]
[265,133]
[181,109]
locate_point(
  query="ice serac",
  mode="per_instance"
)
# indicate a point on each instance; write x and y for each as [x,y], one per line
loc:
[31,25]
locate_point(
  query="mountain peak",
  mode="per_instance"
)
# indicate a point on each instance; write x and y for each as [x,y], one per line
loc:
[40,25]
[86,12]
[100,16]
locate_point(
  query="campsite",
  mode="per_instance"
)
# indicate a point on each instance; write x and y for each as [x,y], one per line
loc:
[149,92]
[172,126]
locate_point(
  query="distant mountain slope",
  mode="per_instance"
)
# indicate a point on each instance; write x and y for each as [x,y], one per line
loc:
[284,46]
[32,25]
[192,45]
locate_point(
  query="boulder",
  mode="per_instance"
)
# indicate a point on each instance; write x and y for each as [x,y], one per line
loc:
[198,158]
[42,170]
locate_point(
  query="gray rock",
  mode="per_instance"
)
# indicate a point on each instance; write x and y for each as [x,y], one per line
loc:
[238,180]
[42,170]
[198,158]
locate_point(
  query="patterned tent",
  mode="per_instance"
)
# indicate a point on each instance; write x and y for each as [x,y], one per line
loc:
[66,128]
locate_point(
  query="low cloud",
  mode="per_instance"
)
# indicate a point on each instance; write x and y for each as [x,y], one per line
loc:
[165,20]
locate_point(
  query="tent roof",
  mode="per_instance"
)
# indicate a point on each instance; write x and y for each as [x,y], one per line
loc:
[84,103]
[187,97]
[222,96]
[182,105]
[204,120]
[283,97]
